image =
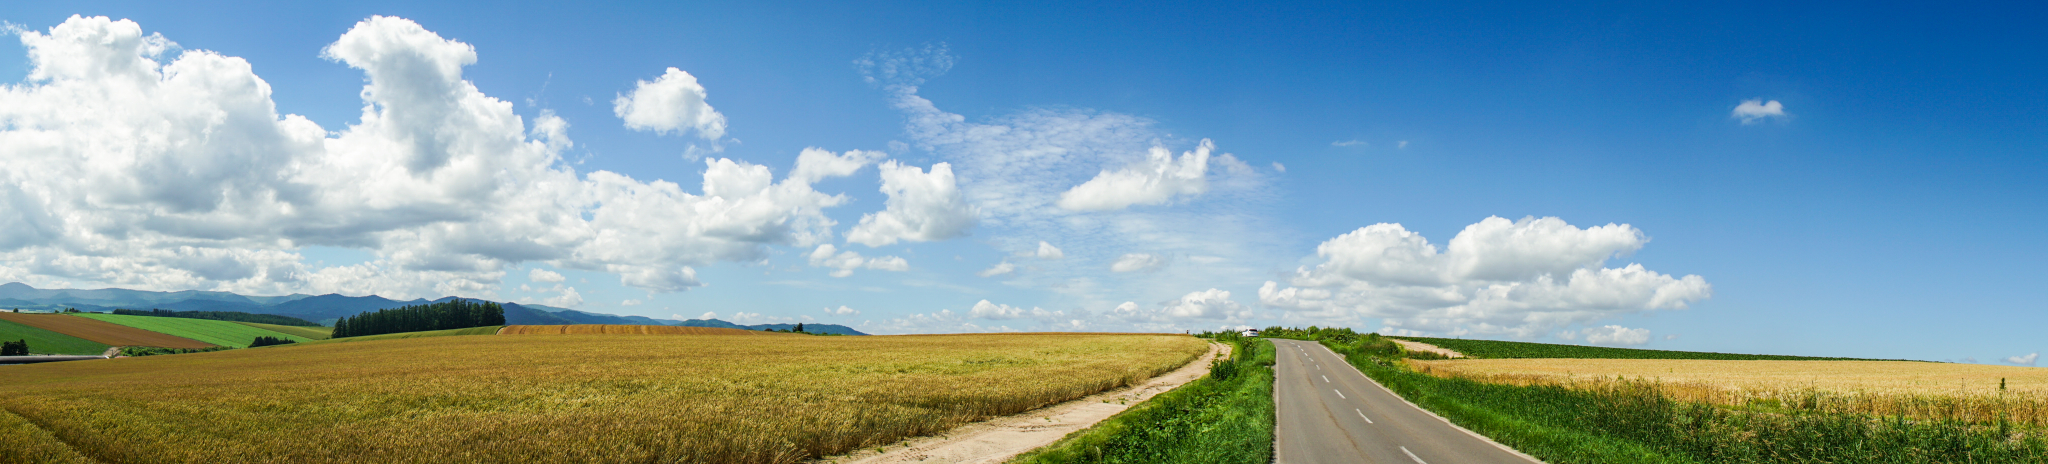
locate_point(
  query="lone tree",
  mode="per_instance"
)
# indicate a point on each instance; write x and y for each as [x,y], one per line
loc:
[14,348]
[799,326]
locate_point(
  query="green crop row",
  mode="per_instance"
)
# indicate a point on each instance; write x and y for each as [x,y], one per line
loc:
[1224,418]
[223,333]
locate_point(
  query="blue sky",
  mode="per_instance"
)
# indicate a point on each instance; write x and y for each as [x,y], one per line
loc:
[1885,209]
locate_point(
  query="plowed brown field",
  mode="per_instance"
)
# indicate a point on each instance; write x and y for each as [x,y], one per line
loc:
[102,332]
[607,329]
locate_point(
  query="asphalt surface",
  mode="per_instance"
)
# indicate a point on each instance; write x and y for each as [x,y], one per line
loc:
[1328,411]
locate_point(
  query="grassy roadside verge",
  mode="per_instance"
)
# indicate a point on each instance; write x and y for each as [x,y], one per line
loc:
[1631,422]
[1226,417]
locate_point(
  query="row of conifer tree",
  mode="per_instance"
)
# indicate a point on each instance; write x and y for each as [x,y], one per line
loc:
[451,314]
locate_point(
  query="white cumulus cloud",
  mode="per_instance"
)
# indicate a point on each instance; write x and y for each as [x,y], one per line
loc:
[843,263]
[1521,278]
[1754,110]
[544,275]
[1615,335]
[674,102]
[1047,251]
[2023,360]
[986,310]
[921,207]
[1133,262]
[1205,304]
[1156,180]
[121,166]
[842,311]
[816,164]
[999,269]
[1015,167]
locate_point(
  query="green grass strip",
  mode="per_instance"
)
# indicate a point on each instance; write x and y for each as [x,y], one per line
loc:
[1208,421]
[221,333]
[42,341]
[314,333]
[485,330]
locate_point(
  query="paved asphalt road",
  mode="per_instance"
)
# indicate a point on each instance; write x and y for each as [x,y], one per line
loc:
[1329,412]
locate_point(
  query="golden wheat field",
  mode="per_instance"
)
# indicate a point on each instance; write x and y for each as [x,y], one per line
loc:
[1920,389]
[563,398]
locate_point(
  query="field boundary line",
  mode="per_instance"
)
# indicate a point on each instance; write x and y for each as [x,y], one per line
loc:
[997,439]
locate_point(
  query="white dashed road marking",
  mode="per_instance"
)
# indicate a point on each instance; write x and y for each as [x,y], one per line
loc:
[1404,449]
[1361,415]
[1339,394]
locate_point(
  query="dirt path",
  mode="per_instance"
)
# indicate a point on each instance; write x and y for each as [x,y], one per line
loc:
[1420,346]
[1002,438]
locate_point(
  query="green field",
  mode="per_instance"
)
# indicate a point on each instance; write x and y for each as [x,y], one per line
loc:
[1501,349]
[46,342]
[486,330]
[221,333]
[315,333]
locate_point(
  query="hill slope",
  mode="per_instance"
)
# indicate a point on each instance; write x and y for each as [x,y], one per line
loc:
[316,333]
[221,333]
[102,332]
[46,342]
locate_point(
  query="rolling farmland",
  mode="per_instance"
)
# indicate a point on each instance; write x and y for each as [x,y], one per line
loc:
[564,398]
[221,333]
[107,333]
[46,342]
[605,329]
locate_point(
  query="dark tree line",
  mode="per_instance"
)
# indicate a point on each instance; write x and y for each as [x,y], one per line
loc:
[230,316]
[14,348]
[451,314]
[267,340]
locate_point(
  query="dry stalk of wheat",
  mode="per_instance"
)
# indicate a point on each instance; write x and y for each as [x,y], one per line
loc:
[1920,390]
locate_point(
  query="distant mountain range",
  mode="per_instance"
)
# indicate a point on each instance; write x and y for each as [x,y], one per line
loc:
[327,308]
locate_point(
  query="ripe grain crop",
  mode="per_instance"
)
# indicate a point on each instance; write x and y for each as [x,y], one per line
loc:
[101,332]
[609,329]
[1507,349]
[567,398]
[1966,392]
[223,333]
